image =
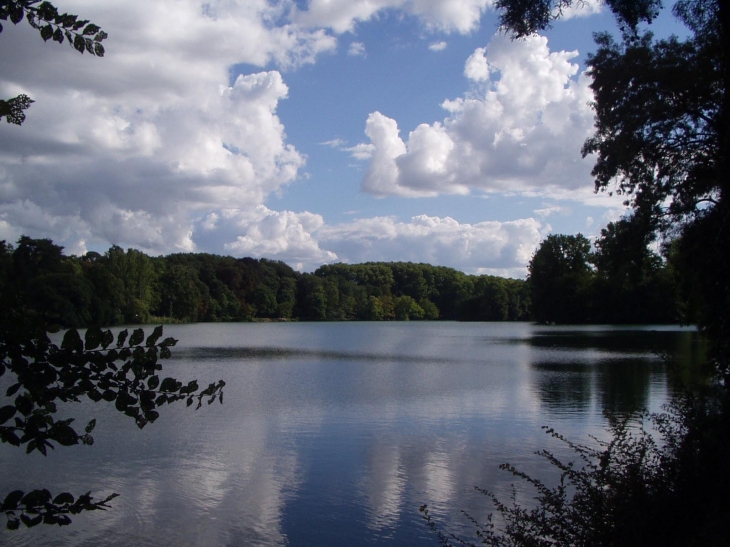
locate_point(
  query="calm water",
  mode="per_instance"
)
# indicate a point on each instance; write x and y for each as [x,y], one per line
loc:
[335,433]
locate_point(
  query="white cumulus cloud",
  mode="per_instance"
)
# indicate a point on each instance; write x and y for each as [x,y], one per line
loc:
[520,129]
[130,148]
[496,248]
[443,15]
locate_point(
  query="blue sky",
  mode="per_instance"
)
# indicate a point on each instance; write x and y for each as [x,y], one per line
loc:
[310,132]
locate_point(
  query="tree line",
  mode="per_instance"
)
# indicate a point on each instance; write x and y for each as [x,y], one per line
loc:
[567,284]
[620,280]
[130,287]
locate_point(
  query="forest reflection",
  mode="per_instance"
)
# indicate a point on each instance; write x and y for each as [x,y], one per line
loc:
[587,367]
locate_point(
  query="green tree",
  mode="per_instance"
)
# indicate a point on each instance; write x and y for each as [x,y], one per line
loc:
[406,308]
[632,283]
[264,299]
[108,291]
[430,310]
[663,140]
[311,298]
[374,309]
[136,271]
[287,297]
[182,295]
[81,35]
[560,277]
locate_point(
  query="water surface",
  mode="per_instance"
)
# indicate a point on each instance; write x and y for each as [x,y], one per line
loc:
[335,433]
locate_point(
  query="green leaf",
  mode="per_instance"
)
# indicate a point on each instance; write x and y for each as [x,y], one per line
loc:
[16,15]
[11,500]
[65,497]
[93,338]
[64,435]
[46,32]
[72,341]
[169,384]
[10,437]
[152,383]
[79,43]
[152,338]
[136,338]
[90,426]
[98,49]
[24,405]
[122,337]
[12,390]
[91,29]
[106,338]
[63,520]
[49,518]
[36,498]
[13,524]
[47,11]
[6,413]
[169,342]
[68,20]
[58,36]
[30,522]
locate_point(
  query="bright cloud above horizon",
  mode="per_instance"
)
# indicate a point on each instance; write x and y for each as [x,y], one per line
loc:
[310,132]
[516,130]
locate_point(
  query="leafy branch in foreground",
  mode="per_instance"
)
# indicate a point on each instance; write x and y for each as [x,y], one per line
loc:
[596,501]
[122,369]
[39,506]
[13,109]
[81,34]
[631,490]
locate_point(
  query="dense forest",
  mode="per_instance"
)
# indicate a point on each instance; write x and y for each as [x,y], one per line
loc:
[568,283]
[128,287]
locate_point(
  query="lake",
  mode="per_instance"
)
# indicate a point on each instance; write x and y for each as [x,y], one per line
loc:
[336,433]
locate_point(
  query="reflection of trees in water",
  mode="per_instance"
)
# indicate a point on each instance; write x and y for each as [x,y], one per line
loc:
[615,365]
[623,385]
[564,388]
[688,365]
[614,341]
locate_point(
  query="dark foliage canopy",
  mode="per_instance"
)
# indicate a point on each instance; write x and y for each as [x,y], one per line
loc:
[662,140]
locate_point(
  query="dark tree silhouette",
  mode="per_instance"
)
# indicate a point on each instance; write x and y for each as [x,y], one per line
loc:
[663,140]
[560,279]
